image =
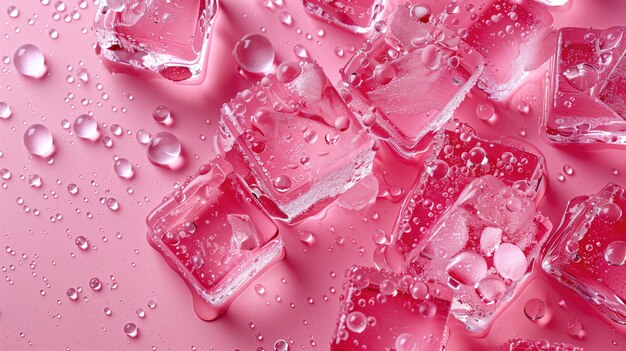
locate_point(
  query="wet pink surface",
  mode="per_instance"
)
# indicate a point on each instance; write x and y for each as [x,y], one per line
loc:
[46,258]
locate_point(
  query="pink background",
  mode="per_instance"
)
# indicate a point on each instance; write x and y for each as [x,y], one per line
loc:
[46,258]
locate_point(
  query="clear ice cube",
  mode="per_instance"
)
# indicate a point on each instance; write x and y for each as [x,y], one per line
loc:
[355,15]
[587,90]
[295,140]
[170,37]
[214,234]
[457,158]
[386,311]
[507,33]
[588,252]
[406,80]
[482,247]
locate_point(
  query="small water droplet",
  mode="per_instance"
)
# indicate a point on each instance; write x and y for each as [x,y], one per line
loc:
[95,283]
[260,289]
[81,242]
[13,11]
[281,345]
[107,311]
[569,170]
[356,321]
[615,253]
[535,309]
[162,115]
[282,183]
[34,180]
[285,18]
[5,174]
[485,112]
[112,204]
[72,294]
[72,188]
[141,313]
[86,127]
[5,110]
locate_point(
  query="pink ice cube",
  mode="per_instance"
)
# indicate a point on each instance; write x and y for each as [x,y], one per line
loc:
[355,15]
[588,252]
[406,81]
[170,37]
[299,142]
[536,345]
[457,158]
[507,33]
[386,311]
[214,233]
[586,98]
[482,247]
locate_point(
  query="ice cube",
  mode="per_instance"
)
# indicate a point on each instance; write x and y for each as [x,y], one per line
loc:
[296,140]
[482,279]
[459,156]
[588,252]
[588,87]
[536,345]
[406,81]
[386,311]
[213,232]
[355,15]
[168,37]
[507,33]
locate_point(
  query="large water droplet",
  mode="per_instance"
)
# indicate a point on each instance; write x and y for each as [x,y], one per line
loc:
[282,183]
[407,342]
[356,321]
[615,253]
[164,148]
[123,168]
[29,61]
[131,330]
[582,76]
[86,127]
[535,309]
[5,110]
[281,345]
[38,140]
[254,53]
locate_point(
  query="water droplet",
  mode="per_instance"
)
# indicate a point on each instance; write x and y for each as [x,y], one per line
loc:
[34,180]
[288,71]
[72,294]
[421,12]
[615,253]
[300,51]
[95,283]
[5,174]
[535,309]
[437,169]
[123,168]
[29,61]
[282,183]
[5,110]
[356,321]
[164,148]
[72,188]
[107,311]
[610,212]
[162,115]
[86,127]
[569,170]
[131,330]
[13,11]
[485,112]
[582,76]
[81,242]
[285,18]
[306,236]
[82,74]
[260,289]
[143,136]
[281,345]
[407,342]
[38,140]
[151,304]
[477,156]
[574,327]
[254,53]
[141,313]
[112,204]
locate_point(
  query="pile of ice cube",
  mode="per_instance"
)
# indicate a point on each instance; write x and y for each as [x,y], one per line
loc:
[468,231]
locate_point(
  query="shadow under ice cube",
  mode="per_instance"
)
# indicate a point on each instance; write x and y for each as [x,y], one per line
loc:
[588,252]
[386,311]
[586,100]
[406,81]
[296,140]
[482,247]
[216,236]
[170,37]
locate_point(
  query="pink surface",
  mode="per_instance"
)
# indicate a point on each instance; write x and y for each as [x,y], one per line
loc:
[301,300]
